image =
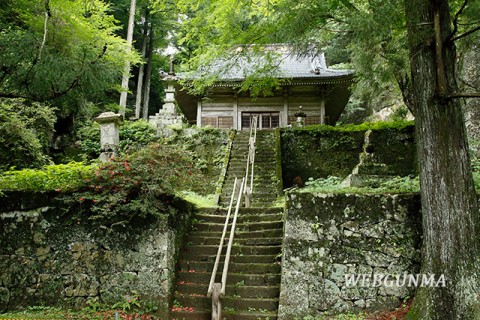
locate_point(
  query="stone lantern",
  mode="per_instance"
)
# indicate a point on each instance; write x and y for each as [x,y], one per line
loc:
[300,115]
[109,134]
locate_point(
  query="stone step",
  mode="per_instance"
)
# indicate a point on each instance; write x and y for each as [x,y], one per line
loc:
[258,157]
[261,162]
[237,155]
[253,204]
[259,241]
[231,290]
[268,258]
[264,188]
[242,218]
[239,233]
[206,315]
[259,172]
[234,278]
[227,314]
[240,226]
[203,266]
[258,192]
[242,211]
[236,250]
[258,177]
[255,198]
[230,302]
[266,164]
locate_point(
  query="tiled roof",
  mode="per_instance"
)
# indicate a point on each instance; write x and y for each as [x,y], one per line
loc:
[289,66]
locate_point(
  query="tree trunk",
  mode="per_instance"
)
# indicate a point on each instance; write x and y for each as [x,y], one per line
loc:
[138,102]
[48,14]
[126,71]
[449,202]
[148,75]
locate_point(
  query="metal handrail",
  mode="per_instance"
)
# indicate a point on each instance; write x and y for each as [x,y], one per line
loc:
[222,240]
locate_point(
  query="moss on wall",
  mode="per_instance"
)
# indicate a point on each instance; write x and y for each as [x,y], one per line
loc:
[54,257]
[209,146]
[331,237]
[317,154]
[322,151]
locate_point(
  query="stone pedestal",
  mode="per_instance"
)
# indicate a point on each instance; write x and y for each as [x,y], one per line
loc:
[109,134]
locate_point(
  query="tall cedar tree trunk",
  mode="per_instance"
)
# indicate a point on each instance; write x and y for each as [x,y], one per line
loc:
[148,75]
[126,71]
[138,102]
[449,202]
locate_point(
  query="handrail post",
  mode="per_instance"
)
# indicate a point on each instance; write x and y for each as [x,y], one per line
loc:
[216,302]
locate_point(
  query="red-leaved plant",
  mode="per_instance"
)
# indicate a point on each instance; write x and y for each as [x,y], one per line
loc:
[142,184]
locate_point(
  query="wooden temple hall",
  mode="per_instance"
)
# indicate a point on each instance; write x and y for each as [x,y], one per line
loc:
[310,88]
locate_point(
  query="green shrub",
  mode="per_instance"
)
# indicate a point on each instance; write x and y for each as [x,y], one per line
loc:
[60,177]
[133,185]
[25,130]
[331,184]
[134,135]
[89,136]
[379,125]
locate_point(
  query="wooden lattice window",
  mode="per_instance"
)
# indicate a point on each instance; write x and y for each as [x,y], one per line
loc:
[209,121]
[313,120]
[225,122]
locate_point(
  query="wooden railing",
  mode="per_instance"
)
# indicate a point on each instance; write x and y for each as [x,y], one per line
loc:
[216,290]
[252,140]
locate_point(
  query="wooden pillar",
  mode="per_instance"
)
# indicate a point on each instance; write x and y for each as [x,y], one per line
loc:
[322,110]
[199,112]
[284,118]
[235,113]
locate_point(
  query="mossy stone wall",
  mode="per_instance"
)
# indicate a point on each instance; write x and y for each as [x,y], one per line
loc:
[330,236]
[321,152]
[50,257]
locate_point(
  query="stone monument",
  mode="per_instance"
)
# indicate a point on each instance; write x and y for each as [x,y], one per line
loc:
[109,134]
[168,114]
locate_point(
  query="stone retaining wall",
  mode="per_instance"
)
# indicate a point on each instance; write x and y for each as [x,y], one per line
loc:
[319,153]
[49,257]
[330,236]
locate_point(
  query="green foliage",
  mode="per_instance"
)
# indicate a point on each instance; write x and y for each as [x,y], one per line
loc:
[138,185]
[198,200]
[380,125]
[25,129]
[76,58]
[133,308]
[208,146]
[390,185]
[134,135]
[61,177]
[89,135]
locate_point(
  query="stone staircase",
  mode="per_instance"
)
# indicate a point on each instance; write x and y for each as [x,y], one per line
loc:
[265,185]
[253,283]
